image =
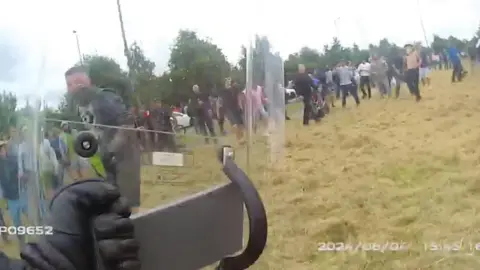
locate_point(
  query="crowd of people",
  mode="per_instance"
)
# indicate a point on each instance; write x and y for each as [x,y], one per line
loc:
[320,88]
[208,114]
[55,163]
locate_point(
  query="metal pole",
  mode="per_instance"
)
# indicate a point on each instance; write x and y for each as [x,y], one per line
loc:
[126,51]
[124,38]
[422,25]
[80,57]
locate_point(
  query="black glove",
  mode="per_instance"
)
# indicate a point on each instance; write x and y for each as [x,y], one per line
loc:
[75,211]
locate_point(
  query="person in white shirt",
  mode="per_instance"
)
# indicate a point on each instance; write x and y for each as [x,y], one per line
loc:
[364,72]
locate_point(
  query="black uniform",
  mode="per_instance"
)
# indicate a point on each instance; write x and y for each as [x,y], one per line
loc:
[119,147]
[304,86]
[204,117]
[73,210]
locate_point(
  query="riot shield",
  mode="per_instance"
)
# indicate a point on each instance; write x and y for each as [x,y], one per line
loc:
[183,175]
[265,101]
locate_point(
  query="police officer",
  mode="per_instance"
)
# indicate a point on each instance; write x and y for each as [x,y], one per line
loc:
[119,147]
[77,211]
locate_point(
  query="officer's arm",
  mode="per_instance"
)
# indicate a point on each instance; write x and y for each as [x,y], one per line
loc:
[112,111]
[11,264]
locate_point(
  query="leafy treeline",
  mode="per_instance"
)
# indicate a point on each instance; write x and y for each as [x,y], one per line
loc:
[194,60]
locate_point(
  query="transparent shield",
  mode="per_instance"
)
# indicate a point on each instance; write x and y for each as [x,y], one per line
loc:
[88,109]
[264,108]
[25,165]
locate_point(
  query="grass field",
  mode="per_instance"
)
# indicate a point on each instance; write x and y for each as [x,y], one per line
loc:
[390,170]
[387,171]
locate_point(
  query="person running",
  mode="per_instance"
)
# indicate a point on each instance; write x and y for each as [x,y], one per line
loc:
[330,87]
[412,65]
[397,66]
[259,113]
[445,60]
[454,55]
[220,115]
[304,86]
[379,70]
[364,71]
[424,67]
[472,53]
[230,97]
[204,114]
[346,77]
[435,60]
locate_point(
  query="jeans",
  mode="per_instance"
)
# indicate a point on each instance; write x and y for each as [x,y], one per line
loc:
[457,72]
[352,89]
[15,210]
[365,81]
[384,87]
[206,122]
[337,91]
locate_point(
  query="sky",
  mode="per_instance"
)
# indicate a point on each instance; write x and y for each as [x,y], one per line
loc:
[37,43]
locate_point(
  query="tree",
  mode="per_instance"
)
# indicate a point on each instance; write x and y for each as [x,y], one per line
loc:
[439,44]
[195,61]
[145,81]
[105,72]
[140,63]
[8,115]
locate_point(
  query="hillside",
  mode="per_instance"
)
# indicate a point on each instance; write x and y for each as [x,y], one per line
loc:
[389,170]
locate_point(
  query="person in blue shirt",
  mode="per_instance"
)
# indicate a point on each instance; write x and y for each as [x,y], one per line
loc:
[454,57]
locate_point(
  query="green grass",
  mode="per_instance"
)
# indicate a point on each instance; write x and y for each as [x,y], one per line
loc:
[387,171]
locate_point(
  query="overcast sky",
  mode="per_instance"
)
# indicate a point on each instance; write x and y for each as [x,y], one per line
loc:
[37,44]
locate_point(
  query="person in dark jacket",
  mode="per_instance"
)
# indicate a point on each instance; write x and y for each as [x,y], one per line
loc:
[4,174]
[204,113]
[304,85]
[119,147]
[397,65]
[10,187]
[230,96]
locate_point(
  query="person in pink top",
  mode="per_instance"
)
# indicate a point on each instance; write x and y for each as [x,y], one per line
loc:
[259,113]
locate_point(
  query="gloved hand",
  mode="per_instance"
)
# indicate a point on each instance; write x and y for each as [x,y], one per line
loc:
[74,211]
